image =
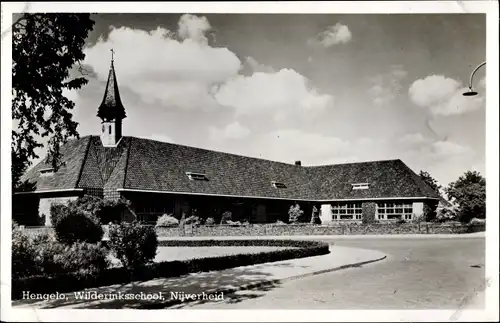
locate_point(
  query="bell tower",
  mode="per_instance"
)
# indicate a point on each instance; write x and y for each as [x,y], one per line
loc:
[111,111]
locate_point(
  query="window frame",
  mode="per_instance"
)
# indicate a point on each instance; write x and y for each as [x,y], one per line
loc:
[396,210]
[360,186]
[347,211]
[196,176]
[278,185]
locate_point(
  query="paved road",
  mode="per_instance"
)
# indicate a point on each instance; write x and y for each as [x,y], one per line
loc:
[418,274]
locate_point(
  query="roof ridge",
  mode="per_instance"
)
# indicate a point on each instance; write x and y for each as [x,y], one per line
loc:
[127,156]
[84,160]
[356,163]
[212,150]
[262,159]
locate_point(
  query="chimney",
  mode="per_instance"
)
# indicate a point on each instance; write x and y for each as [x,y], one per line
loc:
[298,163]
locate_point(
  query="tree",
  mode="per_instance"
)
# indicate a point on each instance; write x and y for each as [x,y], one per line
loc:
[315,219]
[44,49]
[427,178]
[295,213]
[469,193]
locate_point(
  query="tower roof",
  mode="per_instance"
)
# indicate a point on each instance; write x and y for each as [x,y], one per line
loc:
[111,107]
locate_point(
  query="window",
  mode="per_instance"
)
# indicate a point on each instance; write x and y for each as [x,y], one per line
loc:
[109,129]
[103,128]
[46,172]
[360,186]
[347,211]
[196,176]
[395,211]
[278,185]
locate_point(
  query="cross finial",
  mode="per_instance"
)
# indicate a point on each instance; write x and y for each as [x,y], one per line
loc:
[112,54]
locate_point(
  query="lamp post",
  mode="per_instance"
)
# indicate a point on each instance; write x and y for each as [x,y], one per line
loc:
[471,92]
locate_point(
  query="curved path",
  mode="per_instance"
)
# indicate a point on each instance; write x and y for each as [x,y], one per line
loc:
[430,273]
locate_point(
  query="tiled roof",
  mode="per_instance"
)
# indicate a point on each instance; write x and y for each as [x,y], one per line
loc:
[143,164]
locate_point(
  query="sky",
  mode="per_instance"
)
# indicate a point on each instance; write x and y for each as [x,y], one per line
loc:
[318,88]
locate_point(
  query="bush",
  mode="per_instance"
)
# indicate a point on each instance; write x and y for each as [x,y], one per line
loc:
[68,282]
[209,221]
[84,258]
[446,213]
[476,221]
[75,225]
[167,220]
[134,245]
[194,220]
[104,209]
[23,253]
[295,213]
[234,223]
[226,217]
[279,222]
[401,221]
[56,211]
[315,219]
[42,255]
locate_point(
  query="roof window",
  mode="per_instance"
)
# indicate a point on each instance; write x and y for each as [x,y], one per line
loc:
[278,185]
[196,176]
[360,186]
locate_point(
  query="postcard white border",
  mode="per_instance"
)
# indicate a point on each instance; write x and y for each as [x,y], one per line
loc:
[492,163]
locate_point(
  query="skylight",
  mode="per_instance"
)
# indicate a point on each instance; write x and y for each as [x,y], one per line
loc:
[46,171]
[360,186]
[196,176]
[278,185]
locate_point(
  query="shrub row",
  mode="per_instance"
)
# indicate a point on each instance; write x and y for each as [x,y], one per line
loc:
[68,282]
[333,229]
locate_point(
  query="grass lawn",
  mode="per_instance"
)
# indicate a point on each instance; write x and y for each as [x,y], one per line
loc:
[184,253]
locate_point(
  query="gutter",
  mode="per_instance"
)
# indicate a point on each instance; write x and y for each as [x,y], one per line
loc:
[66,190]
[277,198]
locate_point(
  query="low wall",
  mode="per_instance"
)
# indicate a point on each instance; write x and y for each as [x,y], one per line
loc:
[305,229]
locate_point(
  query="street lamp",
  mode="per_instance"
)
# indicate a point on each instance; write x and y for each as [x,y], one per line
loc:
[471,92]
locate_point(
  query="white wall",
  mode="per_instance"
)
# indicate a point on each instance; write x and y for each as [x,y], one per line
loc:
[325,213]
[418,209]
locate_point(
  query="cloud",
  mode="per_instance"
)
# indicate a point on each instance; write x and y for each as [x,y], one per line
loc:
[231,131]
[257,67]
[446,148]
[179,70]
[163,70]
[443,96]
[413,138]
[332,35]
[161,137]
[282,93]
[193,27]
[386,87]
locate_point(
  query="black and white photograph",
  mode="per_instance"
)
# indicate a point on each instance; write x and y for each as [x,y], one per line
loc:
[328,161]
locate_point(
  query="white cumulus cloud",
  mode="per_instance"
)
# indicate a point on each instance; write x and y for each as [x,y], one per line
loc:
[332,35]
[443,96]
[282,92]
[231,131]
[387,86]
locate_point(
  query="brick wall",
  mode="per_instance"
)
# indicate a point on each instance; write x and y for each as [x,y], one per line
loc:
[369,209]
[305,229]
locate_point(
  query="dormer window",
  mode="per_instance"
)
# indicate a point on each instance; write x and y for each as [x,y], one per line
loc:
[47,171]
[278,185]
[360,186]
[196,176]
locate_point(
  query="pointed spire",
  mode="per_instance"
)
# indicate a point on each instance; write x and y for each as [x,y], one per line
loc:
[111,107]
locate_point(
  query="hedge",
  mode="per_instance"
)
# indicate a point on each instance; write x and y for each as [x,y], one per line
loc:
[69,282]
